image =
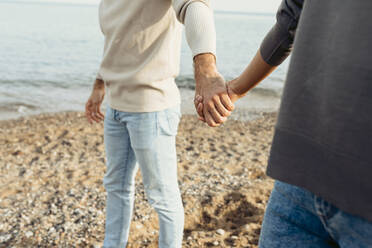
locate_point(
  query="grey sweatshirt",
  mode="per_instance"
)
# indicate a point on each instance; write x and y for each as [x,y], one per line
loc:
[323,137]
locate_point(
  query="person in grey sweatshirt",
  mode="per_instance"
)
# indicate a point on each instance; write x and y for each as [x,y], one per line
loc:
[321,152]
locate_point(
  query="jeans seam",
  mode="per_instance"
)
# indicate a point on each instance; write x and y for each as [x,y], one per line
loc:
[300,226]
[122,186]
[327,219]
[321,209]
[162,185]
[157,124]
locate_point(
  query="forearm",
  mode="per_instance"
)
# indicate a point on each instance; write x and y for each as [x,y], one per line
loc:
[200,29]
[256,71]
[274,49]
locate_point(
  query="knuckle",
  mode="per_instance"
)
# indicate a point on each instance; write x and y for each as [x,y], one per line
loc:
[217,119]
[226,112]
[210,104]
[222,94]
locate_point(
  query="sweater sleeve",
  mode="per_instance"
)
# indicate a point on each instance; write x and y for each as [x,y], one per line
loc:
[98,76]
[197,16]
[278,43]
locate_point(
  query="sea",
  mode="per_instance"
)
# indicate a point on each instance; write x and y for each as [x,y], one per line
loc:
[50,53]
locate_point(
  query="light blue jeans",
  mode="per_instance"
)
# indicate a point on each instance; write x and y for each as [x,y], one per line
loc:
[296,218]
[149,139]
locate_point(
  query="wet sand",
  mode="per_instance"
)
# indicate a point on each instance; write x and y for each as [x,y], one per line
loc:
[51,192]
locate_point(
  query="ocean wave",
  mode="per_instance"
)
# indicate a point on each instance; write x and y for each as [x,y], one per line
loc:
[267,92]
[188,82]
[40,83]
[20,107]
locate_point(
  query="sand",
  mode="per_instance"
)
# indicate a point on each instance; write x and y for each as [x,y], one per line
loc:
[51,192]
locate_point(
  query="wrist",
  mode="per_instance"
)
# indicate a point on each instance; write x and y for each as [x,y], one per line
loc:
[99,85]
[205,65]
[234,86]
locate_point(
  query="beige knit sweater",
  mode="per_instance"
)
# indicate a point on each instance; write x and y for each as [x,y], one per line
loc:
[142,49]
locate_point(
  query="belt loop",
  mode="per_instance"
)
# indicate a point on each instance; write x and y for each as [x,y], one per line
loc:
[115,114]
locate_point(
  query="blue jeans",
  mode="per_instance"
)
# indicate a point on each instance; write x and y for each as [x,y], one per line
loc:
[297,218]
[149,139]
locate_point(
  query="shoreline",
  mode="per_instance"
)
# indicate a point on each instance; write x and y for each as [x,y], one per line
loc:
[51,191]
[248,108]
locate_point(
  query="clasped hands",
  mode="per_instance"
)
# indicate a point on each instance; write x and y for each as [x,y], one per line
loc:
[214,102]
[214,98]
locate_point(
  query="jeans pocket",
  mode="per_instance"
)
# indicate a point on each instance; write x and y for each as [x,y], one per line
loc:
[168,121]
[109,113]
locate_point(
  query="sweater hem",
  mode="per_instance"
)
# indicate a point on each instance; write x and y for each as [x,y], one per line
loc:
[143,109]
[298,160]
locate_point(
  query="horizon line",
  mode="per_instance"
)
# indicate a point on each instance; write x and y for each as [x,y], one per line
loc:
[217,11]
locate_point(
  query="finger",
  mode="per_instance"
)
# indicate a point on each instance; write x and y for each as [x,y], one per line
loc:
[94,117]
[211,108]
[88,112]
[89,118]
[200,107]
[221,108]
[226,101]
[209,119]
[199,110]
[98,112]
[101,115]
[197,100]
[201,119]
[217,117]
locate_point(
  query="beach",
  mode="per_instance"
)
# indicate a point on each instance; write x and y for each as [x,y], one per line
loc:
[51,191]
[52,162]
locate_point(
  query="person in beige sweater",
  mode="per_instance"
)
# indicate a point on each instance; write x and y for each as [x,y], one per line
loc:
[140,62]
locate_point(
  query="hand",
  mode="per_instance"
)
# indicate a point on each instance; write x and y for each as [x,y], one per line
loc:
[230,91]
[212,92]
[93,105]
[256,71]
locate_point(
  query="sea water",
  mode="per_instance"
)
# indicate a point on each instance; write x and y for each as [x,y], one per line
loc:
[50,53]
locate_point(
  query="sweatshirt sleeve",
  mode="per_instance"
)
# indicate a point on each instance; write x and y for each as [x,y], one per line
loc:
[197,16]
[278,43]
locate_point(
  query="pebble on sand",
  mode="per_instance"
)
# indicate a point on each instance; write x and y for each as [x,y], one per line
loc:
[51,193]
